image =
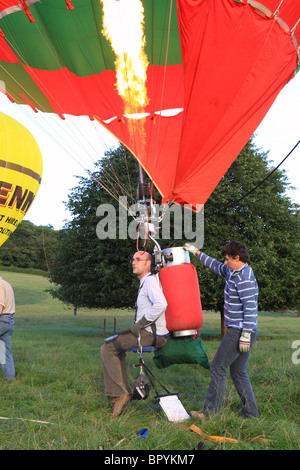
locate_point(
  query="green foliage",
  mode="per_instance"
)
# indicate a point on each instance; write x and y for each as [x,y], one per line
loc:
[97,273]
[29,247]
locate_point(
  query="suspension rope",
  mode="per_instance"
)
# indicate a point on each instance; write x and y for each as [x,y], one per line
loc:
[258,185]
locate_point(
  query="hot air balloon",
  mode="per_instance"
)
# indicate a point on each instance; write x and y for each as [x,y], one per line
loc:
[218,65]
[20,174]
[213,69]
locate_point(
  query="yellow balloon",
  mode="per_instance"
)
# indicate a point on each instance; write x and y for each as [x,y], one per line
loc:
[21,167]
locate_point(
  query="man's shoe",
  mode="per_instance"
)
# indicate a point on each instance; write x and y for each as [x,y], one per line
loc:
[118,404]
[198,415]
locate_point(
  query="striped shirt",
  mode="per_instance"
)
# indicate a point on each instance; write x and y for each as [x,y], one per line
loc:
[240,294]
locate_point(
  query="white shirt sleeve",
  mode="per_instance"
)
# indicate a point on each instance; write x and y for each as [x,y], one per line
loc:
[151,301]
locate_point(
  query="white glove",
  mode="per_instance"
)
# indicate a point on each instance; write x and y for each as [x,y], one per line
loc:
[191,248]
[245,340]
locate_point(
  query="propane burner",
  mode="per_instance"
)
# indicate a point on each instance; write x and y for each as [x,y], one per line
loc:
[174,256]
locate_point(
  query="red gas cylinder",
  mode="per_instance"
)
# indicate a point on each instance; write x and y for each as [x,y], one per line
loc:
[181,288]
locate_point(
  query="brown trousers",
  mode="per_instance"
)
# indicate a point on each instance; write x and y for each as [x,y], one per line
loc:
[113,356]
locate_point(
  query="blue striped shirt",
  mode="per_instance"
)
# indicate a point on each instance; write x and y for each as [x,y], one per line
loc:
[240,294]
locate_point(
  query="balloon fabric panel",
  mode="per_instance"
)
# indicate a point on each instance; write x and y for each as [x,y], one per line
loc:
[255,59]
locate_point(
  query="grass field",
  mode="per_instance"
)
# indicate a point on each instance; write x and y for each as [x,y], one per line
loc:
[59,380]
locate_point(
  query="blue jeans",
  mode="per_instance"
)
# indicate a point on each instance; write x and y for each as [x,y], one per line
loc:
[7,326]
[229,355]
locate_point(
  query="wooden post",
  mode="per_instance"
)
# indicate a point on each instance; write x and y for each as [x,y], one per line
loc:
[222,324]
[224,329]
[104,325]
[115,325]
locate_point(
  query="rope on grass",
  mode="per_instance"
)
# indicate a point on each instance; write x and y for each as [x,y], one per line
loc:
[32,420]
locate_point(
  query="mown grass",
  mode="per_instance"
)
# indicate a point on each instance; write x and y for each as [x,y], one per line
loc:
[59,380]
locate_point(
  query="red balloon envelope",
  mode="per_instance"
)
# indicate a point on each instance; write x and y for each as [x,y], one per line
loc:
[227,61]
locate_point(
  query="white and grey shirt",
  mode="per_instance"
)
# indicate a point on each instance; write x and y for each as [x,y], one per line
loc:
[151,304]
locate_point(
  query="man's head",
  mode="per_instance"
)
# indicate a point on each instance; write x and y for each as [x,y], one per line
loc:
[141,263]
[235,254]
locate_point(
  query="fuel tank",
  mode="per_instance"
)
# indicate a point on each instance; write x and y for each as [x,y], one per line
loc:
[180,284]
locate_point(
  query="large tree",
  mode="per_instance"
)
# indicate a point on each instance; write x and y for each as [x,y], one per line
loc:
[91,272]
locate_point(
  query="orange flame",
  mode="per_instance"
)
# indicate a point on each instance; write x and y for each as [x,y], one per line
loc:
[123,26]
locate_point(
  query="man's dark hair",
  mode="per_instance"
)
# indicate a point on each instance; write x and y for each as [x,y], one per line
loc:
[235,248]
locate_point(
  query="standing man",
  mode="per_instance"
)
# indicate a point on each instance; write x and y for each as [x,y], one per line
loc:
[7,326]
[150,324]
[240,317]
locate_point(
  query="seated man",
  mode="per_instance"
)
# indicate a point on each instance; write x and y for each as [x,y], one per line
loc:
[150,324]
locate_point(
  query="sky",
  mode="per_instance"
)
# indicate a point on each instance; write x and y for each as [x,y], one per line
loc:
[69,153]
